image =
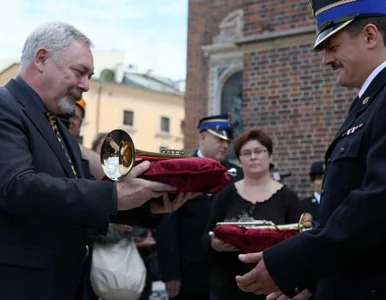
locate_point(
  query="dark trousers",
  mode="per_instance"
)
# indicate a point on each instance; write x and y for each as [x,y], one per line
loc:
[213,297]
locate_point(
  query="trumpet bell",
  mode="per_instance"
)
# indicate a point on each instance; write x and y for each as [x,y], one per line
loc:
[117,154]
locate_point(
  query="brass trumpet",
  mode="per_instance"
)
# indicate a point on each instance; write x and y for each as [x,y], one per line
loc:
[305,223]
[118,154]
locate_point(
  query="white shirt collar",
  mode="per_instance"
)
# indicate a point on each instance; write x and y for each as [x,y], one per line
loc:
[199,153]
[317,197]
[371,77]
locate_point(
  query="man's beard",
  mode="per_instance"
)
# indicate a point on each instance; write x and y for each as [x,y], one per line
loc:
[66,104]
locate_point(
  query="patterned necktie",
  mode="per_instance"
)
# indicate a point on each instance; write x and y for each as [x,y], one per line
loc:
[52,120]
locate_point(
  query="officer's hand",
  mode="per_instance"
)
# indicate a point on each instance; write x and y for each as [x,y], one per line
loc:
[220,246]
[132,192]
[303,295]
[258,280]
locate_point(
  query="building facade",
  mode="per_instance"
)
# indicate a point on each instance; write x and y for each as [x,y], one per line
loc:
[153,119]
[253,58]
[150,110]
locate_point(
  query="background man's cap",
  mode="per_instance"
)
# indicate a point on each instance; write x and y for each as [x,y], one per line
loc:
[317,168]
[219,126]
[333,15]
[82,104]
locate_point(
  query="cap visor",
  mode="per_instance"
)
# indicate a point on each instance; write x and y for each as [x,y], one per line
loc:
[219,135]
[325,34]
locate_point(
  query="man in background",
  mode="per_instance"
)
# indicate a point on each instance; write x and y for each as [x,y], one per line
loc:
[73,121]
[77,117]
[182,257]
[312,203]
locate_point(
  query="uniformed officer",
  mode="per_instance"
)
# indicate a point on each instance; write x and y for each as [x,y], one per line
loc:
[312,204]
[182,257]
[345,258]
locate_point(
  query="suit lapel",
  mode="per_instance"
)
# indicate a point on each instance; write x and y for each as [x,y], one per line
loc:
[39,120]
[71,147]
[359,106]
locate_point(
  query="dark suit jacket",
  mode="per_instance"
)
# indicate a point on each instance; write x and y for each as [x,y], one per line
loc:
[311,205]
[181,253]
[45,213]
[351,245]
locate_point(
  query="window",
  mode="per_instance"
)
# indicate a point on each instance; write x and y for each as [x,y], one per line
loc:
[128,117]
[182,126]
[231,102]
[165,124]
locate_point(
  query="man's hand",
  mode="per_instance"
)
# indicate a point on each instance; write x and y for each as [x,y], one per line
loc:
[132,192]
[220,246]
[145,242]
[303,295]
[257,281]
[173,288]
[168,206]
[126,228]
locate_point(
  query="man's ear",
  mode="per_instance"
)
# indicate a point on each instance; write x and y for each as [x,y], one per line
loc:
[40,58]
[371,35]
[202,136]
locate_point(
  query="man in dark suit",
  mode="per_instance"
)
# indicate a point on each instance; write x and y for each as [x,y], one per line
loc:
[181,253]
[311,204]
[47,205]
[345,258]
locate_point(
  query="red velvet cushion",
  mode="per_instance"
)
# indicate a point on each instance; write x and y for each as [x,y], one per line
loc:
[249,240]
[191,174]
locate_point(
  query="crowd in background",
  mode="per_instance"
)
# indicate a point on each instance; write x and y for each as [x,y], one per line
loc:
[180,252]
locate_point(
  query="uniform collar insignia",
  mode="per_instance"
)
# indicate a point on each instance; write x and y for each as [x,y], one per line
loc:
[366,100]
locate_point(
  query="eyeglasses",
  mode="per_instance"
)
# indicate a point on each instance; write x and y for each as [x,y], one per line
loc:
[256,152]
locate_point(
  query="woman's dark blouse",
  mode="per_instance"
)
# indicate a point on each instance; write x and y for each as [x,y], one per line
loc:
[283,207]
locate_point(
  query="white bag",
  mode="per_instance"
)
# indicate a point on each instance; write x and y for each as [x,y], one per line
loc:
[117,271]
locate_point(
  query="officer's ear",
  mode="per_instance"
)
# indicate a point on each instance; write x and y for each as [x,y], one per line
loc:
[372,36]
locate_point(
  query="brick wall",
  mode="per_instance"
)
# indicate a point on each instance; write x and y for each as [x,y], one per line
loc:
[262,16]
[204,17]
[290,95]
[286,91]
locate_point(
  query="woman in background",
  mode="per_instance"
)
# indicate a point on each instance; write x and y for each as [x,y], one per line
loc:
[256,197]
